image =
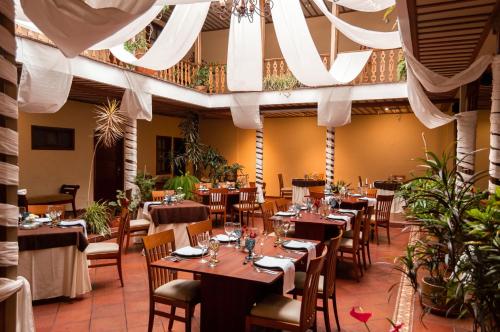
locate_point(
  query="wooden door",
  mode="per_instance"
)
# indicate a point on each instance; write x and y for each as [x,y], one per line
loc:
[108,171]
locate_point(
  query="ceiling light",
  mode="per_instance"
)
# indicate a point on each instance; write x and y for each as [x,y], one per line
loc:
[244,8]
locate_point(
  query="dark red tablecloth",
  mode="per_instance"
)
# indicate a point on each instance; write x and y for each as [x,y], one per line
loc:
[187,211]
[46,237]
[307,183]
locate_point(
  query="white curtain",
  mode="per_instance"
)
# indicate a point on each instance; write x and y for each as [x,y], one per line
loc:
[136,103]
[244,55]
[436,83]
[334,106]
[245,110]
[366,5]
[75,26]
[45,80]
[300,53]
[370,38]
[177,37]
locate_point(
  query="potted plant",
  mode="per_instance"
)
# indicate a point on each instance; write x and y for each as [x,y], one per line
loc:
[213,164]
[138,46]
[231,172]
[193,152]
[201,78]
[185,182]
[146,184]
[96,217]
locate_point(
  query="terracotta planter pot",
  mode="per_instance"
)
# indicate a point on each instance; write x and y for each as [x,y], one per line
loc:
[433,298]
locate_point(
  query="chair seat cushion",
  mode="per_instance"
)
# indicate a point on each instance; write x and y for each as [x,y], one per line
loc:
[238,206]
[47,199]
[300,280]
[101,248]
[180,289]
[139,223]
[346,243]
[348,235]
[278,307]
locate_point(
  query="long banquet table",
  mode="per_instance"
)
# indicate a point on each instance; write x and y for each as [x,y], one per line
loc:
[229,290]
[53,260]
[176,216]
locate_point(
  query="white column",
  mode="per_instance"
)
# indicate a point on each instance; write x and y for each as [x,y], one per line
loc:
[466,143]
[330,155]
[495,127]
[259,162]
[130,155]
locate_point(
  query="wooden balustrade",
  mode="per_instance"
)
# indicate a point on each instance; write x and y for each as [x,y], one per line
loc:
[381,68]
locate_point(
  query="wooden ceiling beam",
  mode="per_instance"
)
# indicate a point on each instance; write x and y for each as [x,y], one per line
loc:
[442,3]
[483,15]
[465,7]
[494,16]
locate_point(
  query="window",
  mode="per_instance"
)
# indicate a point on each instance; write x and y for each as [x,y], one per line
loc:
[52,138]
[167,148]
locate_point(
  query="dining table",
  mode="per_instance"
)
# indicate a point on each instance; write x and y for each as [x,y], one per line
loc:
[300,188]
[53,260]
[230,289]
[357,202]
[175,216]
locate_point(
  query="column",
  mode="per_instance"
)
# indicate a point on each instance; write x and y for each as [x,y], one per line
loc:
[330,155]
[466,143]
[130,155]
[9,170]
[259,163]
[494,168]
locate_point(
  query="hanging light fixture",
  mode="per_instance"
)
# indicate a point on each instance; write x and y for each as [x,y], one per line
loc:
[244,8]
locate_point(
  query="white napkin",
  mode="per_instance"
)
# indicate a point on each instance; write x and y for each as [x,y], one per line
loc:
[311,248]
[337,217]
[224,238]
[356,195]
[79,222]
[286,265]
[355,212]
[43,219]
[145,210]
[285,213]
[371,200]
[188,251]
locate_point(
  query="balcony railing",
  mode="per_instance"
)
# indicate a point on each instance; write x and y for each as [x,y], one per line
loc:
[381,68]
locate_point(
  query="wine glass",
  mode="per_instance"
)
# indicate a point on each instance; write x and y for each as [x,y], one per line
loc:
[229,230]
[286,227]
[262,241]
[237,234]
[203,239]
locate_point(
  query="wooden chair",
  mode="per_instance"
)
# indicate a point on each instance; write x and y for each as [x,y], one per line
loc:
[283,313]
[364,237]
[285,192]
[282,204]
[41,210]
[267,212]
[351,246]
[198,185]
[158,195]
[252,184]
[383,215]
[164,287]
[109,250]
[217,203]
[247,204]
[371,192]
[327,282]
[136,228]
[198,228]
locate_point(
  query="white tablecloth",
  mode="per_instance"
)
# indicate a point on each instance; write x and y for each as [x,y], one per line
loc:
[180,232]
[298,194]
[55,272]
[397,203]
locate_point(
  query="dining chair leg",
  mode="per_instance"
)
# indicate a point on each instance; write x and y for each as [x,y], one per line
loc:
[171,319]
[368,252]
[388,234]
[376,231]
[128,241]
[363,251]
[326,313]
[315,325]
[151,315]
[120,273]
[188,318]
[360,267]
[335,311]
[355,262]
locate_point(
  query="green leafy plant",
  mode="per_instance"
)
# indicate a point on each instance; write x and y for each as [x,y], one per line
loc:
[201,76]
[231,171]
[96,217]
[213,163]
[186,182]
[146,184]
[137,44]
[401,70]
[123,201]
[281,82]
[194,149]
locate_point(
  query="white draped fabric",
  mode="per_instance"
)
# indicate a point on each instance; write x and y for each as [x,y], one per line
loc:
[8,71]
[136,103]
[370,38]
[7,41]
[9,256]
[245,110]
[8,106]
[366,5]
[334,106]
[130,155]
[9,287]
[9,215]
[466,142]
[8,141]
[347,66]
[436,83]
[25,320]
[176,39]
[244,55]
[45,80]
[9,174]
[75,26]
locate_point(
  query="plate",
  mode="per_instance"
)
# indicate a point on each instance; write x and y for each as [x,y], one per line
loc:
[29,226]
[262,263]
[356,195]
[188,252]
[285,213]
[43,220]
[224,238]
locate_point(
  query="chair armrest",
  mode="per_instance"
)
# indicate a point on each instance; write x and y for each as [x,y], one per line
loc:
[70,189]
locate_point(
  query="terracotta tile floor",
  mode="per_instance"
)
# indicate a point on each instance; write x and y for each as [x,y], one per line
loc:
[110,307]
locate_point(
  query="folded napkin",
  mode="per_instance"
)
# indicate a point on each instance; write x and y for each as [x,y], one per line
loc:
[355,212]
[285,213]
[188,251]
[79,222]
[371,201]
[356,195]
[338,217]
[145,210]
[309,246]
[283,263]
[224,238]
[43,219]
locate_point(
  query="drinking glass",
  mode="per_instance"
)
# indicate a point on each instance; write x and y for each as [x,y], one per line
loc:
[262,242]
[203,239]
[286,227]
[237,234]
[214,246]
[229,230]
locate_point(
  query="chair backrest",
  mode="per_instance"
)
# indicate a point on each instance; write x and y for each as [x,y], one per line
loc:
[123,226]
[267,212]
[247,198]
[70,189]
[280,179]
[217,198]
[158,195]
[330,268]
[371,192]
[383,208]
[157,246]
[366,228]
[43,209]
[308,305]
[281,204]
[316,195]
[356,229]
[198,228]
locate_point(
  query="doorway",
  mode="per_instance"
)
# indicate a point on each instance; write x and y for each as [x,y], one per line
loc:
[108,171]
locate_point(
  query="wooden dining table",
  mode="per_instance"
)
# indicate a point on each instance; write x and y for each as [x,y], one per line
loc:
[233,197]
[230,289]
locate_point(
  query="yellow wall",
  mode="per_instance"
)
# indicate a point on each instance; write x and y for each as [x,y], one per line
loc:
[371,146]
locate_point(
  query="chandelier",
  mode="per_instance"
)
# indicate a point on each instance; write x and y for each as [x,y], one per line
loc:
[244,8]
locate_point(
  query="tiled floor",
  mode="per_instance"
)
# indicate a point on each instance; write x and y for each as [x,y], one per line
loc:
[110,307]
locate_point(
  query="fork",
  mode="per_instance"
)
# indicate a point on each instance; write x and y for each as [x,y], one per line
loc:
[258,269]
